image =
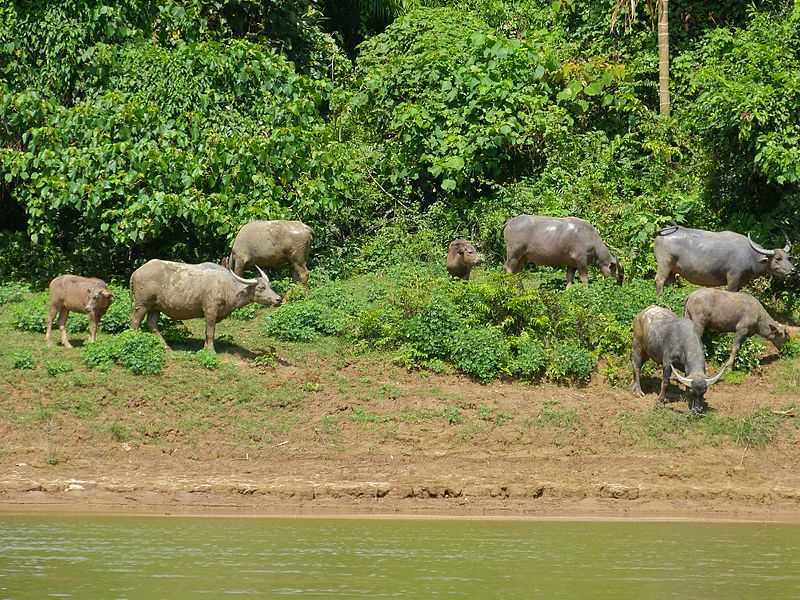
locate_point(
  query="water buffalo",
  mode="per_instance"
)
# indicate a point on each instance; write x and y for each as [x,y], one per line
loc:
[185,291]
[659,334]
[559,242]
[270,244]
[715,258]
[730,312]
[87,295]
[461,257]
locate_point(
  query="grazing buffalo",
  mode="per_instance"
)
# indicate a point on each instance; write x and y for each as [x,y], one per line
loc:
[270,244]
[461,257]
[715,258]
[550,241]
[87,295]
[729,312]
[659,334]
[185,291]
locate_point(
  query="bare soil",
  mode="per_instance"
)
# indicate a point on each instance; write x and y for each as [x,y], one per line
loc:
[354,434]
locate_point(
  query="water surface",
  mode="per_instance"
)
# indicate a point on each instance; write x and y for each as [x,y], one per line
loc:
[93,558]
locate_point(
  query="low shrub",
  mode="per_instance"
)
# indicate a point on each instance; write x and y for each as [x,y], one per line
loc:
[529,361]
[206,359]
[57,367]
[23,360]
[245,313]
[118,316]
[431,331]
[748,358]
[481,353]
[791,348]
[140,352]
[13,291]
[568,361]
[303,321]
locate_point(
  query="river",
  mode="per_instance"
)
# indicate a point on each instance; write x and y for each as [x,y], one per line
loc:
[115,558]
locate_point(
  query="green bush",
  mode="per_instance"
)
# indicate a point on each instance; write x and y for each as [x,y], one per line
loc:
[23,360]
[748,358]
[207,360]
[140,352]
[118,316]
[530,360]
[791,348]
[303,321]
[480,353]
[432,330]
[57,367]
[13,291]
[245,313]
[569,362]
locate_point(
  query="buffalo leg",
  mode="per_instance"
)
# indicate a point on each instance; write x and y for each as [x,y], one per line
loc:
[50,318]
[663,274]
[62,325]
[637,360]
[734,282]
[211,325]
[152,323]
[93,327]
[741,336]
[239,265]
[662,395]
[139,313]
[570,276]
[513,264]
[583,273]
[300,273]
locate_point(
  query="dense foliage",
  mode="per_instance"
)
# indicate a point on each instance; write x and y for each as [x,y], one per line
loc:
[150,128]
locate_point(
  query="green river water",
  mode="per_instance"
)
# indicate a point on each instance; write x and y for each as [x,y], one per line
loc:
[93,558]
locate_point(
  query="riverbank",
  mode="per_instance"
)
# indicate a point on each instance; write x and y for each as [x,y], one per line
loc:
[325,430]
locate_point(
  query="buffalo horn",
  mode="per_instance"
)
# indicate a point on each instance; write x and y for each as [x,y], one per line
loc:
[242,279]
[680,377]
[758,248]
[712,380]
[260,272]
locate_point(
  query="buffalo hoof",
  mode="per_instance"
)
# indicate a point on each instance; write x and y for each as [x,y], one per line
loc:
[637,391]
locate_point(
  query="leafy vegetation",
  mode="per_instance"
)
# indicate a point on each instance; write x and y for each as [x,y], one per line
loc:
[140,352]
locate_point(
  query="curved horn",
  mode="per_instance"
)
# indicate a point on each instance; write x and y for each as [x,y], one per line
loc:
[712,380]
[758,248]
[788,247]
[680,377]
[242,279]
[260,272]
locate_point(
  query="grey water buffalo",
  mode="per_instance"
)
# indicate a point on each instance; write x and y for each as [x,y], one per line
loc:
[715,258]
[270,244]
[558,242]
[186,291]
[87,295]
[461,257]
[659,334]
[730,312]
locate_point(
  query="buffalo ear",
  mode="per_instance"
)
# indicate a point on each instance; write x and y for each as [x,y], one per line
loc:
[763,259]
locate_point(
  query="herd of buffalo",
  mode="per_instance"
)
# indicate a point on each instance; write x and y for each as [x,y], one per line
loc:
[212,291]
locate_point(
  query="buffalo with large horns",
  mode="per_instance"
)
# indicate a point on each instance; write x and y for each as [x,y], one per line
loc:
[715,258]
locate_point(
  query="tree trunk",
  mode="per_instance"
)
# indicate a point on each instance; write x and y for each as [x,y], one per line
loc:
[663,57]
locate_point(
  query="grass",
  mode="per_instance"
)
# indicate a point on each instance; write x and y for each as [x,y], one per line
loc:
[328,396]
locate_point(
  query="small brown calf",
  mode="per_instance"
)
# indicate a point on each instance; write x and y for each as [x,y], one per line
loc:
[87,295]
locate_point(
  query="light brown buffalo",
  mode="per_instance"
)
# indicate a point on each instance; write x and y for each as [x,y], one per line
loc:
[729,312]
[270,244]
[461,257]
[87,295]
